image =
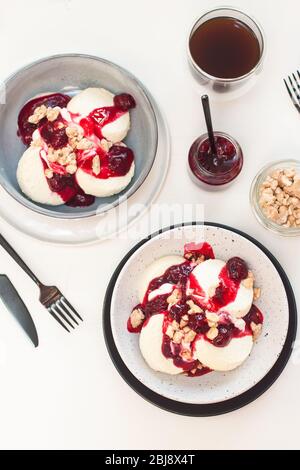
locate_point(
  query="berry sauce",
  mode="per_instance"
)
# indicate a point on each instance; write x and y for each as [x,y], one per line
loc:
[230,277]
[100,117]
[215,169]
[116,162]
[25,128]
[254,315]
[66,187]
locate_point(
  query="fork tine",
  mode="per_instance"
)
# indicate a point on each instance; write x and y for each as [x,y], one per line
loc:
[65,311]
[294,89]
[61,312]
[296,81]
[54,315]
[65,301]
[292,96]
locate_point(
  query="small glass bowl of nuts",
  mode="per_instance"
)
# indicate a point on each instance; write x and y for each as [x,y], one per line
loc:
[275,197]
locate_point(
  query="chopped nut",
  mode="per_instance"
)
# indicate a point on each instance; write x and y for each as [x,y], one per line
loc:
[186,329]
[295,201]
[136,317]
[290,172]
[74,132]
[267,197]
[33,119]
[212,333]
[38,114]
[256,293]
[71,131]
[248,283]
[73,143]
[52,156]
[195,259]
[271,212]
[276,174]
[170,332]
[183,323]
[190,336]
[96,165]
[186,355]
[212,317]
[178,335]
[71,158]
[194,308]
[48,173]
[294,189]
[84,144]
[174,297]
[280,196]
[175,325]
[256,330]
[239,323]
[284,181]
[63,156]
[105,145]
[52,113]
[71,169]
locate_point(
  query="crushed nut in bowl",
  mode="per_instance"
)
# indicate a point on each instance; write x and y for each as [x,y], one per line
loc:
[275,197]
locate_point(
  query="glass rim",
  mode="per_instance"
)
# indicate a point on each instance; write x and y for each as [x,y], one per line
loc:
[220,79]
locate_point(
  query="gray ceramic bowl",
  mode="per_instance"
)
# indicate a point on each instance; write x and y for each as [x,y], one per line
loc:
[70,73]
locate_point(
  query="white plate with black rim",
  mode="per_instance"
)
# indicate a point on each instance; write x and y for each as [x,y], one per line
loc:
[214,393]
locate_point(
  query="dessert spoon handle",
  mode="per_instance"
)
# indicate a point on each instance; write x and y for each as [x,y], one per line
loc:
[9,249]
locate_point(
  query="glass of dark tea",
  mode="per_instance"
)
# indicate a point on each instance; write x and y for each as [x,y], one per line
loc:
[226,49]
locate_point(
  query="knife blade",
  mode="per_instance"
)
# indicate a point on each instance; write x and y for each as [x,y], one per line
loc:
[16,306]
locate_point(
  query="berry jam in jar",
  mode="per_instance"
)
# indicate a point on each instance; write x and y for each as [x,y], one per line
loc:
[215,171]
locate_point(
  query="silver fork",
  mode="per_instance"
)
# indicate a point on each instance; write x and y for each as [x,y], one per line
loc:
[293,87]
[50,296]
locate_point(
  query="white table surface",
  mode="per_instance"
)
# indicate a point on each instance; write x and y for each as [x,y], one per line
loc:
[66,393]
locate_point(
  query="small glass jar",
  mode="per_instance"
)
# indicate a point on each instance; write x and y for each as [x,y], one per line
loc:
[234,87]
[255,197]
[204,172]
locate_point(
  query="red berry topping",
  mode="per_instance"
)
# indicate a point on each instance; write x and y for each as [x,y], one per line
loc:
[224,336]
[198,323]
[81,200]
[54,135]
[237,269]
[120,159]
[59,182]
[124,101]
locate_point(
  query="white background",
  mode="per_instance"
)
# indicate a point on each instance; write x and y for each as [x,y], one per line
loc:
[67,394]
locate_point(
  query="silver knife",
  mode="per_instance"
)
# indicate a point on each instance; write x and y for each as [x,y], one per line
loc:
[16,306]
